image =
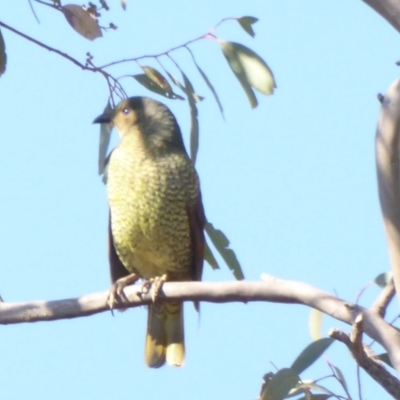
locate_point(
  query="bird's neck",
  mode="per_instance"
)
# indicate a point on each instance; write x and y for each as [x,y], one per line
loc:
[151,145]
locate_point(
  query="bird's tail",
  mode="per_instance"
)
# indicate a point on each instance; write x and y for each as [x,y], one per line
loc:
[165,339]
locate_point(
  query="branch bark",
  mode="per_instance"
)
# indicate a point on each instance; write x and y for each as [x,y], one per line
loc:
[271,290]
[368,361]
[388,172]
[388,9]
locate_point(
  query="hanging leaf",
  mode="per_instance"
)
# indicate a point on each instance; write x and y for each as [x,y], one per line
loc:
[305,386]
[161,81]
[250,69]
[176,82]
[104,142]
[310,354]
[82,21]
[221,243]
[383,279]
[210,86]
[123,4]
[3,55]
[315,324]
[246,23]
[280,384]
[316,397]
[209,256]
[339,376]
[154,87]
[194,125]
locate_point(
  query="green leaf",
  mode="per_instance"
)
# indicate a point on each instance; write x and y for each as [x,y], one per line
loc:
[3,55]
[194,125]
[339,376]
[246,23]
[250,69]
[383,279]
[153,86]
[280,384]
[316,397]
[221,243]
[310,354]
[159,79]
[315,324]
[192,98]
[104,142]
[209,256]
[306,387]
[209,84]
[176,82]
[385,358]
[82,21]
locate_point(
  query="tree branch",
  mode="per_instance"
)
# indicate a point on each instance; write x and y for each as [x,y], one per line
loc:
[271,290]
[385,297]
[388,9]
[367,360]
[388,173]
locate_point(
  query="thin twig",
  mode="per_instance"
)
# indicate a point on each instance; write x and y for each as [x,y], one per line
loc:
[33,11]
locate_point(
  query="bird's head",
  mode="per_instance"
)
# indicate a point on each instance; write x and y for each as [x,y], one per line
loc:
[147,117]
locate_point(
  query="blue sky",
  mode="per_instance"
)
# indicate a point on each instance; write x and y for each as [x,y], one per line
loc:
[292,184]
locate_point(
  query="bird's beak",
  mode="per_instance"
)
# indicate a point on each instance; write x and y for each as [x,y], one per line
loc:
[103,119]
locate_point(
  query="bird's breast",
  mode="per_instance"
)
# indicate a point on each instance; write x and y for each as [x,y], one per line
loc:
[149,198]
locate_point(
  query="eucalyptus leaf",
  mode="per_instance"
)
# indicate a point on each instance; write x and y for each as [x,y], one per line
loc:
[310,354]
[246,23]
[339,376]
[210,86]
[82,21]
[209,256]
[3,55]
[250,69]
[154,87]
[221,243]
[315,324]
[280,384]
[159,79]
[383,279]
[194,125]
[104,142]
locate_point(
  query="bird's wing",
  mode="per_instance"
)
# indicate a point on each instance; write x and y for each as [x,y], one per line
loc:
[117,269]
[197,221]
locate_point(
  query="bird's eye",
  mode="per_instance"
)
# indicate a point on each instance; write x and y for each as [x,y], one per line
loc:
[126,111]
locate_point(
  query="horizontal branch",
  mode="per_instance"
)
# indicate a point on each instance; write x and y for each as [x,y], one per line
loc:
[270,290]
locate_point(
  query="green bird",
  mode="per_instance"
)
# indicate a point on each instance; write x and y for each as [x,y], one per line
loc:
[156,226]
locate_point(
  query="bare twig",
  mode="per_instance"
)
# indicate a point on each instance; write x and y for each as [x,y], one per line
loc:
[370,364]
[207,35]
[33,11]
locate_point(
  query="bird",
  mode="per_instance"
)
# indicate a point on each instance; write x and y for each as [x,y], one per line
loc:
[156,219]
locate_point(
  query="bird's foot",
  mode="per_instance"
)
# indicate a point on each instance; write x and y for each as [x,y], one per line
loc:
[116,292]
[154,283]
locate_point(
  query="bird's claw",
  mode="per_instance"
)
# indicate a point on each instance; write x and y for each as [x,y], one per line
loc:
[156,285]
[116,293]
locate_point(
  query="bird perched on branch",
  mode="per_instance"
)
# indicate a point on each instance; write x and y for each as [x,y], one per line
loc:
[156,217]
